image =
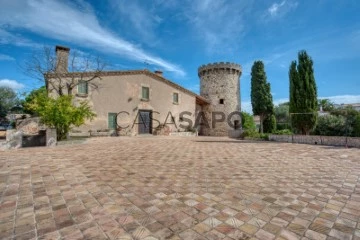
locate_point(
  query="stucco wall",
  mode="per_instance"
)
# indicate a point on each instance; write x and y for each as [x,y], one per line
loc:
[319,140]
[123,93]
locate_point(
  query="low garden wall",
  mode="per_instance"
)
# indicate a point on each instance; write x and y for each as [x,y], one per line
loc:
[317,140]
[17,139]
[183,134]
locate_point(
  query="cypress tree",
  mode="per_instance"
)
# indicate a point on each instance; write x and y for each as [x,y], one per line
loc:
[269,124]
[261,98]
[303,94]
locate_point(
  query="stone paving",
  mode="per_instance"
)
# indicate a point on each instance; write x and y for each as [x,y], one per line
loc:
[180,188]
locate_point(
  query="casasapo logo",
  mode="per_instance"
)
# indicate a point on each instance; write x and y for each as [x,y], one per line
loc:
[185,120]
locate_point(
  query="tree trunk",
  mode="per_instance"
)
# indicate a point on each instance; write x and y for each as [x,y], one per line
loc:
[70,91]
[261,124]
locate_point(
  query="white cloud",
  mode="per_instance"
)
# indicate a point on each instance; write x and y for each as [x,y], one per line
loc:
[17,40]
[13,84]
[273,9]
[76,23]
[4,57]
[280,9]
[143,20]
[343,99]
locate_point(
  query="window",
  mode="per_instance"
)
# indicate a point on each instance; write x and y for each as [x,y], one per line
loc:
[83,87]
[112,123]
[175,98]
[236,124]
[145,93]
[221,101]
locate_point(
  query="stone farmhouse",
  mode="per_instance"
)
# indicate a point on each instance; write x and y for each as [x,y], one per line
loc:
[133,102]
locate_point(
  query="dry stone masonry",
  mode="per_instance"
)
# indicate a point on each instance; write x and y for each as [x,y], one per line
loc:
[220,85]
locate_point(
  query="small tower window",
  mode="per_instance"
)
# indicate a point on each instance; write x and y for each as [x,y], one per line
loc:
[236,124]
[221,101]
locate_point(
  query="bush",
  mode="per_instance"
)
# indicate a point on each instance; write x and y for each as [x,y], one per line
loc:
[331,125]
[269,124]
[352,121]
[264,136]
[283,132]
[60,113]
[283,126]
[247,122]
[255,134]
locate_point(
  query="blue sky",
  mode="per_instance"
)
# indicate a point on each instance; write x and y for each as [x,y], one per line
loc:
[179,36]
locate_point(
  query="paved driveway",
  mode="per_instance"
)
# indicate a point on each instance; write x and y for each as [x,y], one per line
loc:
[180,188]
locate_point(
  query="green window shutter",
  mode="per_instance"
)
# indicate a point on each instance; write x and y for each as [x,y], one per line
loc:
[83,87]
[112,120]
[175,98]
[145,93]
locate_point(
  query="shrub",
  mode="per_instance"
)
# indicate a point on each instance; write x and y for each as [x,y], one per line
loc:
[247,122]
[269,124]
[331,125]
[283,132]
[255,135]
[60,113]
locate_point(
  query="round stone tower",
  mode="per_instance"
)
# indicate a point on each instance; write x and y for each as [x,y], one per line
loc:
[220,85]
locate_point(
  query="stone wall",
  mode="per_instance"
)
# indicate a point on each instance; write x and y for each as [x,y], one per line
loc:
[30,126]
[220,82]
[317,140]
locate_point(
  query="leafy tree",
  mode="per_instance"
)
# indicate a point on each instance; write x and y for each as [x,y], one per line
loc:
[8,100]
[331,125]
[247,122]
[352,126]
[261,98]
[60,113]
[30,98]
[326,105]
[303,94]
[282,116]
[270,124]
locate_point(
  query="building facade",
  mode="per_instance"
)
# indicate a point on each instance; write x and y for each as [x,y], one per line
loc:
[143,102]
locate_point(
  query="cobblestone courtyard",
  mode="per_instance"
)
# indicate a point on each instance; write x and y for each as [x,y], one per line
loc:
[180,188]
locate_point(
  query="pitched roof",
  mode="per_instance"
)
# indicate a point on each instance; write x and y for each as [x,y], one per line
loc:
[199,99]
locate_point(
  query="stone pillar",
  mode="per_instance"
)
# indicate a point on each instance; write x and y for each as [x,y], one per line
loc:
[13,139]
[51,137]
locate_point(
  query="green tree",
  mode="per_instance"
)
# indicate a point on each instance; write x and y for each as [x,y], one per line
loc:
[8,100]
[331,125]
[282,116]
[29,98]
[270,124]
[303,94]
[352,125]
[261,98]
[60,113]
[326,105]
[247,122]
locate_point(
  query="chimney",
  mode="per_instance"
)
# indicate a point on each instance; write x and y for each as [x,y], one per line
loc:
[159,73]
[62,58]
